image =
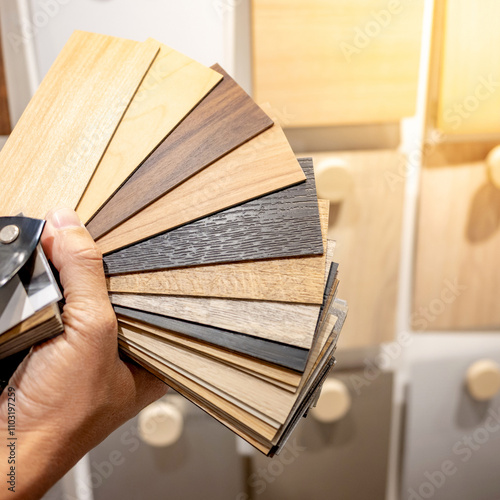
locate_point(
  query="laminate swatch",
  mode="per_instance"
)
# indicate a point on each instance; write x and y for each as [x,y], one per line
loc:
[5,127]
[262,165]
[282,224]
[296,279]
[284,355]
[227,118]
[173,86]
[292,324]
[55,147]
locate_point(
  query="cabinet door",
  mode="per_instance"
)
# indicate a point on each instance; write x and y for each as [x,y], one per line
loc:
[469,95]
[330,62]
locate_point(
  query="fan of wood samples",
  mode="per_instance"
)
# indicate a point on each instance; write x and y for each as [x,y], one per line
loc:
[215,244]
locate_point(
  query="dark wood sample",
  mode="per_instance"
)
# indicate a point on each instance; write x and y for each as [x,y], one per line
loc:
[224,120]
[282,224]
[5,126]
[287,356]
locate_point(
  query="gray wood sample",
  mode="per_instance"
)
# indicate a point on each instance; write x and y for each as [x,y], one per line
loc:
[281,224]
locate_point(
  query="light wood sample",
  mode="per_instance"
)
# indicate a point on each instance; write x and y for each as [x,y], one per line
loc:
[367,227]
[468,97]
[223,121]
[262,165]
[328,63]
[172,87]
[284,223]
[296,279]
[292,324]
[57,143]
[458,243]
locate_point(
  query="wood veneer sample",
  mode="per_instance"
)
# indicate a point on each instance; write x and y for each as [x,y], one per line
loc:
[222,121]
[287,356]
[262,165]
[55,147]
[367,226]
[282,224]
[5,126]
[292,324]
[173,86]
[296,279]
[458,243]
[322,63]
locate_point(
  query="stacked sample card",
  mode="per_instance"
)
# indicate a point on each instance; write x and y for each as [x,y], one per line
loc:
[215,244]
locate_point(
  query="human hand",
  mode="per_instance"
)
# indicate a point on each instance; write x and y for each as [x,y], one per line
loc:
[73,390]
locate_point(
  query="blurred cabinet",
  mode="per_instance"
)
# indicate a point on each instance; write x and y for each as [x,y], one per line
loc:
[331,62]
[367,226]
[345,460]
[469,95]
[452,441]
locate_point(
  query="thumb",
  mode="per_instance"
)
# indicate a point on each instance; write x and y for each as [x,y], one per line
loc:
[78,260]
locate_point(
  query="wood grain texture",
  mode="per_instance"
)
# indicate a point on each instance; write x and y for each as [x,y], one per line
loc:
[281,224]
[321,62]
[132,330]
[261,166]
[224,120]
[173,86]
[367,227]
[457,245]
[292,324]
[468,100]
[5,126]
[296,279]
[287,356]
[55,147]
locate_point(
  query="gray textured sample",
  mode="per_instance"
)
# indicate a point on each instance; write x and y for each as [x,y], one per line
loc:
[281,224]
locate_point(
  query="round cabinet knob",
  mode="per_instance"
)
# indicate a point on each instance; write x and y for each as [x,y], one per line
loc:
[493,166]
[333,180]
[160,424]
[334,402]
[483,379]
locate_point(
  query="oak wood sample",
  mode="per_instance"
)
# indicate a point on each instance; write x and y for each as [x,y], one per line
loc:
[370,221]
[321,62]
[262,165]
[296,279]
[222,121]
[287,356]
[57,143]
[457,242]
[282,224]
[292,324]
[173,86]
[5,126]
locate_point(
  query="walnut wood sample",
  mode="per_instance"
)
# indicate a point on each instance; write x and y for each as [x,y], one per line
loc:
[55,147]
[5,126]
[173,86]
[224,120]
[295,279]
[292,324]
[282,224]
[262,165]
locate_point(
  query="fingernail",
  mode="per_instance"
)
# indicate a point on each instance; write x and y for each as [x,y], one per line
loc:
[65,218]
